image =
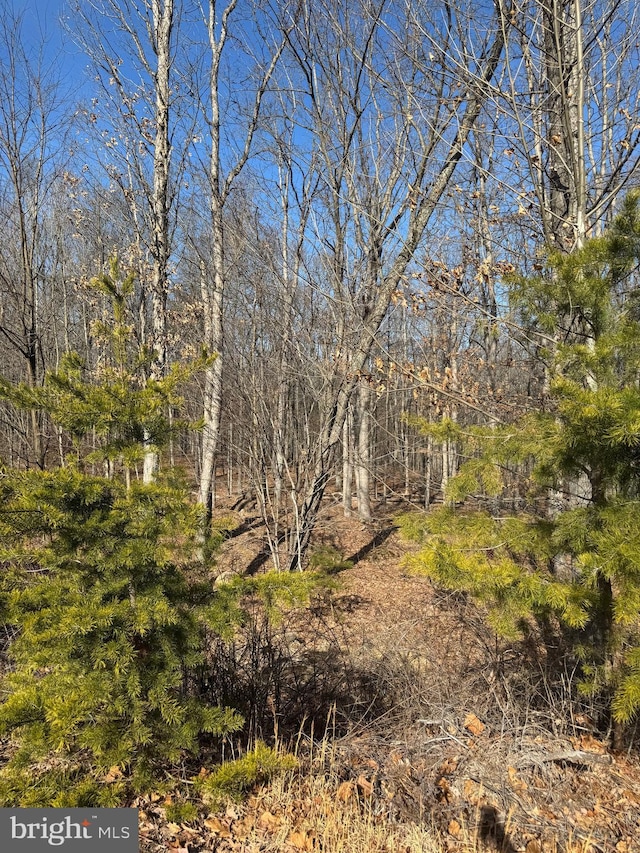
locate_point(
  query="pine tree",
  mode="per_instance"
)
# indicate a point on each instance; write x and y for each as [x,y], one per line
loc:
[109,608]
[588,303]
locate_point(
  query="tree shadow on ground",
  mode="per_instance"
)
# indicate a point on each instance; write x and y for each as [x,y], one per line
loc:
[491,830]
[380,537]
[294,675]
[245,526]
[262,557]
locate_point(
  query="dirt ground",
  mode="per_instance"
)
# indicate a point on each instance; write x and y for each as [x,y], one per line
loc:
[431,720]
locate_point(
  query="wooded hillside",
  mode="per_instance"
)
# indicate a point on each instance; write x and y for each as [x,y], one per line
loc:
[265,264]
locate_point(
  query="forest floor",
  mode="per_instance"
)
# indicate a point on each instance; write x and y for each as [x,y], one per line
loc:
[415,729]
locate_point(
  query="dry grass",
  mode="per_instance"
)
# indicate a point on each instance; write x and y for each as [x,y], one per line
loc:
[316,809]
[399,669]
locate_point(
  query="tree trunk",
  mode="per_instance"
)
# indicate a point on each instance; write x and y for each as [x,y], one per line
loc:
[423,200]
[363,456]
[347,463]
[160,203]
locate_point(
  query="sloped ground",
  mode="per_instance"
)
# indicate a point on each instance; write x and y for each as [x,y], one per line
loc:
[416,730]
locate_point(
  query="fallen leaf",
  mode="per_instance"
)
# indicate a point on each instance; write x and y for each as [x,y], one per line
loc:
[533,846]
[344,792]
[300,840]
[215,825]
[173,828]
[241,829]
[269,821]
[473,724]
[516,783]
[113,774]
[454,828]
[472,792]
[446,789]
[365,786]
[590,744]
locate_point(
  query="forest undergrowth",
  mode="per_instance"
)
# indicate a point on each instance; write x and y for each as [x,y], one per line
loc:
[413,728]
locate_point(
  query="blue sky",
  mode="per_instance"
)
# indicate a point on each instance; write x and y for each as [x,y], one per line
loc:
[41,21]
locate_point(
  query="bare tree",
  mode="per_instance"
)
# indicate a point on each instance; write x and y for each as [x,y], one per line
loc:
[222,175]
[139,100]
[388,143]
[32,135]
[568,99]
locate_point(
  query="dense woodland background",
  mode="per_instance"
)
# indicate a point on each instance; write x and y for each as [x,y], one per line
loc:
[310,254]
[328,198]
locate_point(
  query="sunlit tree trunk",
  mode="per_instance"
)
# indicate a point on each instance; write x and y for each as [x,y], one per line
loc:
[163,19]
[363,454]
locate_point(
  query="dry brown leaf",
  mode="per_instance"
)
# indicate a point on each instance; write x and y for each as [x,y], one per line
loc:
[474,725]
[631,795]
[448,766]
[241,829]
[188,830]
[269,821]
[113,774]
[344,792]
[445,787]
[173,828]
[516,783]
[472,792]
[365,786]
[590,744]
[300,840]
[454,828]
[533,846]
[215,825]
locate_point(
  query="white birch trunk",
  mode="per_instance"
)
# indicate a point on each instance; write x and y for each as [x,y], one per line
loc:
[363,456]
[162,25]
[347,463]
